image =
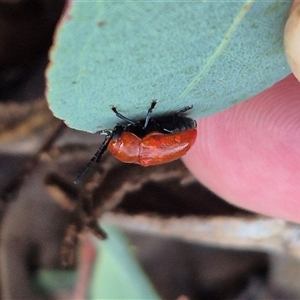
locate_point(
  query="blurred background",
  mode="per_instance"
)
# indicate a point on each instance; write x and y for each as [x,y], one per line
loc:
[190,243]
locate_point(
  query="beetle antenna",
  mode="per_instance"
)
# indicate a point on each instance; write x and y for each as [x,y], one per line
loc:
[153,103]
[96,157]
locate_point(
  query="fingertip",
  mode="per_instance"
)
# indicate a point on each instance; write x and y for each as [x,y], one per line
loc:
[292,39]
[249,154]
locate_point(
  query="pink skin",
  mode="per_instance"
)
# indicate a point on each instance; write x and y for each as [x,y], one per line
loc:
[249,154]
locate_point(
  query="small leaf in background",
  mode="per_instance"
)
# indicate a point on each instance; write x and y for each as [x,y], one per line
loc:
[211,54]
[112,272]
[117,274]
[52,282]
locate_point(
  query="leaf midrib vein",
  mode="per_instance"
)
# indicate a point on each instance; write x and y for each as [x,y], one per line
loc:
[225,40]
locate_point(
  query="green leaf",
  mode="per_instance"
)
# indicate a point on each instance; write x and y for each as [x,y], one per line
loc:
[117,274]
[209,54]
[49,281]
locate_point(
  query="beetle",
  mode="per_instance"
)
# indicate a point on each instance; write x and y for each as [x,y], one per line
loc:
[148,142]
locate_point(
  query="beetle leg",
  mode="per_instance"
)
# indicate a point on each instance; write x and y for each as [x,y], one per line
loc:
[175,117]
[106,132]
[153,103]
[184,109]
[181,111]
[162,128]
[114,109]
[96,157]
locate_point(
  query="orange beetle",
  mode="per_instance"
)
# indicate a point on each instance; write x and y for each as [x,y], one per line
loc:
[148,142]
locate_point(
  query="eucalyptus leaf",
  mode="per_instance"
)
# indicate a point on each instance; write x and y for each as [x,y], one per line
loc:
[209,54]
